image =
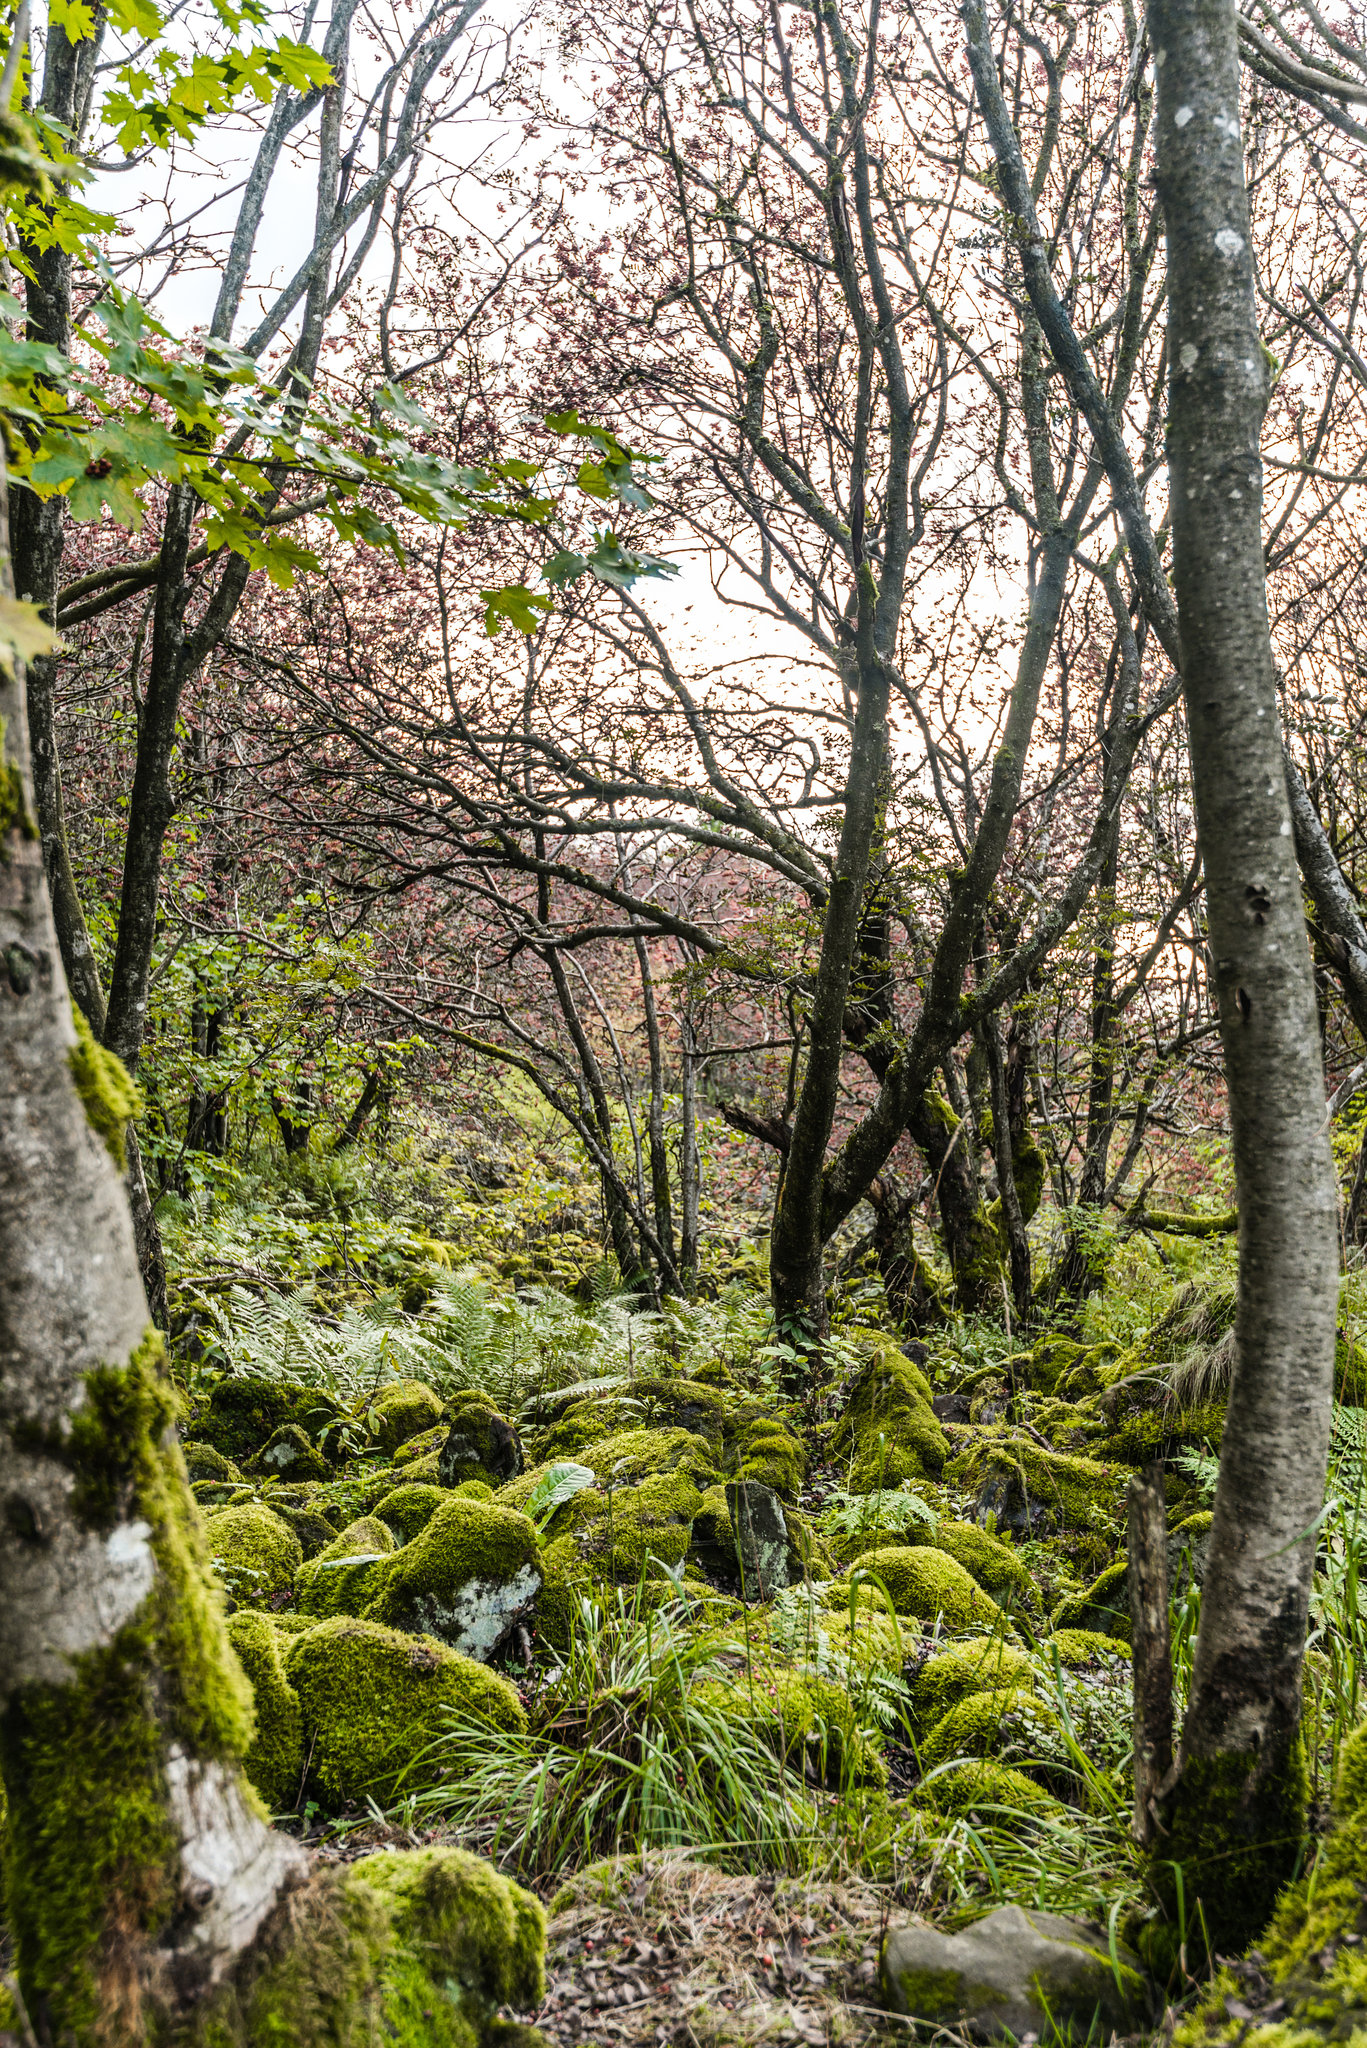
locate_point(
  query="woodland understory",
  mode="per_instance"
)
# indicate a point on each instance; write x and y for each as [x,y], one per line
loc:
[683,1023]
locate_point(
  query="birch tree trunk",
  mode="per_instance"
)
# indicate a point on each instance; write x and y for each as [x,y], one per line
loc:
[1237,1809]
[139,1865]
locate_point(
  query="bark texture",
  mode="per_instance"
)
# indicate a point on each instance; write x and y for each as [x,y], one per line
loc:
[1240,1744]
[139,1866]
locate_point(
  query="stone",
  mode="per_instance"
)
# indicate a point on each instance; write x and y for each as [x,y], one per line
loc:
[1018,1972]
[291,1454]
[761,1538]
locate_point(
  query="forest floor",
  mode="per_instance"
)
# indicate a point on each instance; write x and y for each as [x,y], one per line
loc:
[722,1801]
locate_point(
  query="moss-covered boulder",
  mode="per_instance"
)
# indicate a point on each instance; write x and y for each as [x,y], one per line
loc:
[402,1410]
[428,1444]
[275,1761]
[341,1578]
[805,1713]
[243,1413]
[773,1457]
[255,1554]
[290,1454]
[989,1790]
[888,1433]
[1081,1649]
[943,1680]
[635,1454]
[631,1530]
[469,1577]
[929,1584]
[1035,1492]
[1103,1608]
[408,1509]
[488,1932]
[978,1726]
[480,1444]
[375,1700]
[202,1461]
[313,1529]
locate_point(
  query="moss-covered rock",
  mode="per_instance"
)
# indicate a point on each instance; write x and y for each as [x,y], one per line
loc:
[255,1554]
[995,1566]
[290,1454]
[635,1454]
[408,1509]
[313,1529]
[342,1578]
[243,1414]
[1081,1649]
[983,1786]
[1035,1492]
[469,1577]
[400,1411]
[805,1713]
[202,1461]
[771,1455]
[488,1932]
[1103,1608]
[480,1444]
[930,1585]
[987,1665]
[375,1700]
[275,1761]
[428,1444]
[978,1726]
[888,1432]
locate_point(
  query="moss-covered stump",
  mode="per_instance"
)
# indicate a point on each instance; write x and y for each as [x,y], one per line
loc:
[1236,1832]
[479,1444]
[1034,1492]
[888,1433]
[374,1702]
[255,1553]
[469,1577]
[275,1761]
[405,1949]
[929,1584]
[402,1410]
[244,1413]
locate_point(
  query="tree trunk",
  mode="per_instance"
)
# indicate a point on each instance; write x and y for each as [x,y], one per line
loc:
[690,1165]
[139,1868]
[1237,1813]
[970,1242]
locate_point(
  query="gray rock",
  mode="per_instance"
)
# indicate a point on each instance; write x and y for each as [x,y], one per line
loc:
[761,1538]
[1016,1972]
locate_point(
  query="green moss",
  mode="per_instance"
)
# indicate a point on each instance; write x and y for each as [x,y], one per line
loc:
[932,1995]
[345,1576]
[775,1458]
[632,1529]
[291,1455]
[202,1461]
[1077,1648]
[1035,1492]
[988,1665]
[408,1509]
[314,1531]
[92,1858]
[255,1553]
[107,1094]
[978,1726]
[1350,1790]
[461,1916]
[275,1761]
[467,1577]
[15,815]
[480,1444]
[425,1445]
[399,1950]
[401,1411]
[1103,1608]
[635,1454]
[1237,1840]
[244,1412]
[374,1701]
[930,1585]
[805,1714]
[993,1564]
[888,1433]
[983,1786]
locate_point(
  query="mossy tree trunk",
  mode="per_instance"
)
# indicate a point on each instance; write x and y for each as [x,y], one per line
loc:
[139,1864]
[1237,1809]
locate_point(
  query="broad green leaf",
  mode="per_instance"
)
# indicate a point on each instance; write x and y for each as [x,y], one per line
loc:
[557,1484]
[523,608]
